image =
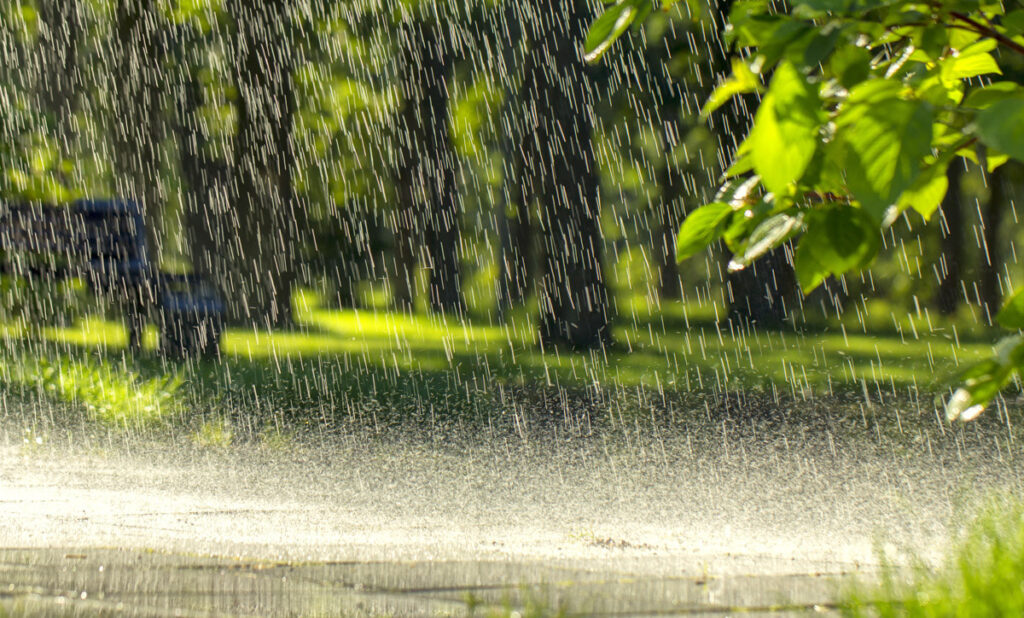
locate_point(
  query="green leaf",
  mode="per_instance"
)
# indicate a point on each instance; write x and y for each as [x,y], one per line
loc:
[851,65]
[926,194]
[933,40]
[874,91]
[970,65]
[819,47]
[995,160]
[736,230]
[607,28]
[742,81]
[960,38]
[738,192]
[1011,316]
[742,164]
[771,233]
[837,240]
[1014,22]
[1001,126]
[993,93]
[1010,351]
[786,33]
[644,9]
[966,404]
[883,143]
[785,132]
[701,228]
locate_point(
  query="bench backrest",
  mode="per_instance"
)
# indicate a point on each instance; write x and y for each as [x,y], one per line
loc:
[105,237]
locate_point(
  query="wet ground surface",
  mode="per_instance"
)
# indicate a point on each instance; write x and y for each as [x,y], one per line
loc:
[696,523]
[105,582]
[101,582]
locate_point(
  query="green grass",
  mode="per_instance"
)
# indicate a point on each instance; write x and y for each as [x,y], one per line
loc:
[350,361]
[109,394]
[983,576]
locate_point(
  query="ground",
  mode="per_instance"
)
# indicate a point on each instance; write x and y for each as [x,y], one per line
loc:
[361,445]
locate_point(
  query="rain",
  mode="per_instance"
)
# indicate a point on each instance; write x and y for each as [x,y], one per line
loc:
[373,308]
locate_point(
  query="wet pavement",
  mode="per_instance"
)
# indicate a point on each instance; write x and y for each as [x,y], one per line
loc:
[700,526]
[102,582]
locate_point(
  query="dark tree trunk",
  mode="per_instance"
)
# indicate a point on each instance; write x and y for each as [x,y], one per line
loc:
[951,219]
[266,217]
[443,213]
[992,221]
[136,125]
[58,88]
[407,232]
[427,170]
[136,129]
[670,216]
[517,254]
[205,179]
[516,267]
[763,294]
[574,304]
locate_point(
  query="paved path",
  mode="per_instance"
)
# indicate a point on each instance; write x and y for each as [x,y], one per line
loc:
[408,528]
[98,582]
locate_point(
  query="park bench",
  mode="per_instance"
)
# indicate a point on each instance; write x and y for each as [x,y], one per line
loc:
[103,243]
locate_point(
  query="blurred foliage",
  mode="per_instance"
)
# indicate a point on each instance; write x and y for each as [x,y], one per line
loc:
[979,578]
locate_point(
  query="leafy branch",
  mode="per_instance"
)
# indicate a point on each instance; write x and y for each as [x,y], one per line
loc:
[867,105]
[989,31]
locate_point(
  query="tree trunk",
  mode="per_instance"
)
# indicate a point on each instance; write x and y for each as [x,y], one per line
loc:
[517,263]
[427,170]
[992,221]
[136,129]
[407,232]
[515,266]
[763,293]
[264,212]
[670,216]
[58,86]
[137,121]
[516,270]
[952,247]
[205,179]
[574,304]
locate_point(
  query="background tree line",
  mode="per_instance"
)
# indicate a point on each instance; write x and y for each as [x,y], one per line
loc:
[461,158]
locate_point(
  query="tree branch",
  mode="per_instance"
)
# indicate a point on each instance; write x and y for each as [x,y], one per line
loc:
[989,31]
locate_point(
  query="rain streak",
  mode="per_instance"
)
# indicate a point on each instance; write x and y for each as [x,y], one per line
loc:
[373,308]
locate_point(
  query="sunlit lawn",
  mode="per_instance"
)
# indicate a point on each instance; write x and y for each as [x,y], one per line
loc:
[678,347]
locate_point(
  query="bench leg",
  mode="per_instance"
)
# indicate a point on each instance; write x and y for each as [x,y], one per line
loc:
[185,335]
[136,325]
[134,336]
